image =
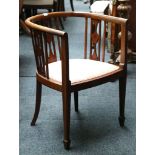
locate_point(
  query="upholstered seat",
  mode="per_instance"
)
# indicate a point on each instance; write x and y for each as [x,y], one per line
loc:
[81,69]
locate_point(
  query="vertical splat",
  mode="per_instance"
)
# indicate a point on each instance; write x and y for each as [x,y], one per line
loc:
[57,25]
[85,38]
[95,39]
[45,50]
[51,48]
[39,52]
[104,41]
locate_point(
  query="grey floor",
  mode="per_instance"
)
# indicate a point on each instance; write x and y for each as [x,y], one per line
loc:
[94,130]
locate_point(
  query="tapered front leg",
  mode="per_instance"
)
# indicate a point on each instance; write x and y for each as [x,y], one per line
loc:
[76,100]
[66,117]
[38,102]
[122,92]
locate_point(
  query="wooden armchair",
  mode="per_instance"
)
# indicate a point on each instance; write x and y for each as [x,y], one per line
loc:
[56,71]
[47,4]
[32,6]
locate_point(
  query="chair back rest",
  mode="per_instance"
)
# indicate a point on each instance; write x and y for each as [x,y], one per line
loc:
[51,43]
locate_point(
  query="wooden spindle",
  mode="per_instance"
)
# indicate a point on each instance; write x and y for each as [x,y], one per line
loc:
[85,38]
[99,42]
[104,41]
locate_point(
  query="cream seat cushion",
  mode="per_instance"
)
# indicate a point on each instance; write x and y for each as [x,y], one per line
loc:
[80,69]
[38,2]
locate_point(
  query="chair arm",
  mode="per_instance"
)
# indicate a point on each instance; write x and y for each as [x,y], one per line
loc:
[30,23]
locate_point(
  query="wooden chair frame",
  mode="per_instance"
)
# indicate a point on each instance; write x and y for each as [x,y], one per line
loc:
[66,87]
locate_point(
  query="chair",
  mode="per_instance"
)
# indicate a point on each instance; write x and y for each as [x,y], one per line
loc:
[56,71]
[50,4]
[55,5]
[31,6]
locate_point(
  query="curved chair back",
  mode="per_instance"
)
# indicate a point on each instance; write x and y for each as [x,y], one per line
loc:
[50,42]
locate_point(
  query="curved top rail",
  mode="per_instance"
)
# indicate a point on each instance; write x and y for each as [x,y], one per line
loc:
[31,20]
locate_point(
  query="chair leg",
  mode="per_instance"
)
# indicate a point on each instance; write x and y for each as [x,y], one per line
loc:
[66,116]
[76,101]
[61,24]
[71,3]
[122,92]
[38,102]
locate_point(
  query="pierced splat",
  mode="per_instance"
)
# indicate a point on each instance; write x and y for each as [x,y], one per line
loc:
[39,54]
[51,49]
[44,50]
[51,40]
[95,39]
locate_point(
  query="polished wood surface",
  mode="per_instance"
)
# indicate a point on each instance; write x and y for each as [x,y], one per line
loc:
[44,36]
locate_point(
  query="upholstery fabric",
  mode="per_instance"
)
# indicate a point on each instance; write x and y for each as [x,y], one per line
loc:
[80,69]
